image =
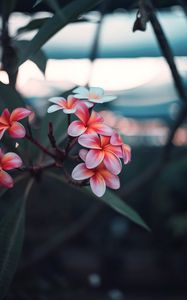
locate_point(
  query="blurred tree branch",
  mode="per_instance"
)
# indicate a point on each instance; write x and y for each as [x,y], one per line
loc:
[147,13]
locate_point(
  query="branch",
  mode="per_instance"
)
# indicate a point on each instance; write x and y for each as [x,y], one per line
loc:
[148,8]
[40,146]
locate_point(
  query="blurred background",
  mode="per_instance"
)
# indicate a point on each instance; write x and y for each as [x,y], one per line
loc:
[75,247]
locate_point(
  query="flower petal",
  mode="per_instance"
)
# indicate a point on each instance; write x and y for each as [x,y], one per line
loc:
[105,140]
[95,118]
[19,113]
[81,92]
[111,180]
[11,161]
[5,117]
[94,158]
[117,150]
[76,128]
[54,108]
[112,163]
[1,153]
[96,93]
[91,141]
[16,130]
[98,185]
[81,172]
[87,103]
[58,100]
[6,180]
[82,112]
[2,131]
[71,101]
[101,129]
[83,153]
[115,139]
[126,153]
[69,111]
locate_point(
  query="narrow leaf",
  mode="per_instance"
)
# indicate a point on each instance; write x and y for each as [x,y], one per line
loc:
[113,201]
[33,25]
[120,206]
[10,97]
[39,58]
[66,15]
[11,239]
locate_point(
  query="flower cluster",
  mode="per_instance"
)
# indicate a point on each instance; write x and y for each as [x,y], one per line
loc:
[103,146]
[10,160]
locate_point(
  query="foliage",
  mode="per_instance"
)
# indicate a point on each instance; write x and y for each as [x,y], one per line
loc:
[51,141]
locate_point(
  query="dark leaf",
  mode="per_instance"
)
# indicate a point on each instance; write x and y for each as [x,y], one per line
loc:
[39,58]
[112,200]
[11,240]
[9,97]
[33,25]
[66,15]
[120,206]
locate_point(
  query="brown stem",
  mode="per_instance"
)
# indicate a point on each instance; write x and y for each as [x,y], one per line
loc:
[40,146]
[165,48]
[38,168]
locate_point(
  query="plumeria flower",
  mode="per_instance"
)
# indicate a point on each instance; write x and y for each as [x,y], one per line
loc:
[101,151]
[88,123]
[116,140]
[94,94]
[8,121]
[8,161]
[68,106]
[99,177]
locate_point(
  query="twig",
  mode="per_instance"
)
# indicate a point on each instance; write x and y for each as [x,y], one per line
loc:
[157,167]
[165,48]
[40,146]
[38,168]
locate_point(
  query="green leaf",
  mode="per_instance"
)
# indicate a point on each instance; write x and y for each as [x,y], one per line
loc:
[39,58]
[33,25]
[120,206]
[66,15]
[11,240]
[112,200]
[9,97]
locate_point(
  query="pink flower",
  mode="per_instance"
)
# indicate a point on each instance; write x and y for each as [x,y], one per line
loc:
[68,106]
[101,151]
[94,94]
[116,140]
[9,122]
[99,177]
[88,123]
[8,161]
